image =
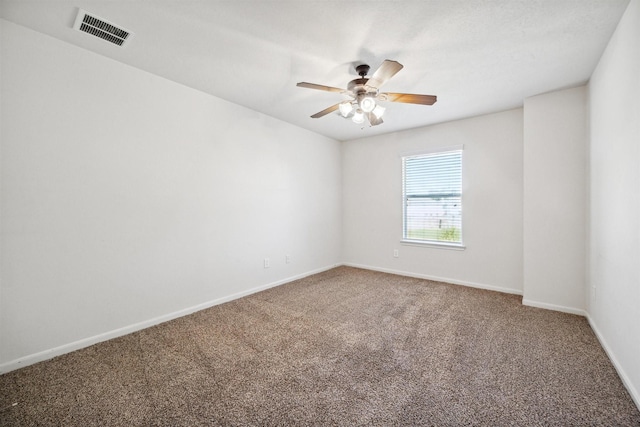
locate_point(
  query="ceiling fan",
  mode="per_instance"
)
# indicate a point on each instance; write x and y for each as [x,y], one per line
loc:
[365,92]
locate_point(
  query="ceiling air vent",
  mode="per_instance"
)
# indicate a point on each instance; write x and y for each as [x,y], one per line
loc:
[98,27]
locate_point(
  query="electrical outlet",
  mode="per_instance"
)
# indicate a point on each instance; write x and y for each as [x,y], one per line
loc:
[396,254]
[287,259]
[266,263]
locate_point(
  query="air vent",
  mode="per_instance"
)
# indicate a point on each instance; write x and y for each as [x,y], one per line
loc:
[101,28]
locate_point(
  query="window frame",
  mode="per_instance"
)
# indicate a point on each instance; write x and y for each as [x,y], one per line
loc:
[440,244]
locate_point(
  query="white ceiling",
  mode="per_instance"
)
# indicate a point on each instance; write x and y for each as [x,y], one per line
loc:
[477,56]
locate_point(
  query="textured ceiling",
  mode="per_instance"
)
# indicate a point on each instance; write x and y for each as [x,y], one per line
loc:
[477,56]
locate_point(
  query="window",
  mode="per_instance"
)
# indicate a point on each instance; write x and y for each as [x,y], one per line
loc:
[432,198]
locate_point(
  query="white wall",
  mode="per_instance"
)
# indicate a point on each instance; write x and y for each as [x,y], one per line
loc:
[2,321]
[555,205]
[127,198]
[492,202]
[614,257]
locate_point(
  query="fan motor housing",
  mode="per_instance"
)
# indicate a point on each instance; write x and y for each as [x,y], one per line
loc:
[358,87]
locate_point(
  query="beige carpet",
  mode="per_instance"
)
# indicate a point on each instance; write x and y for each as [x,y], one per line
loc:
[344,347]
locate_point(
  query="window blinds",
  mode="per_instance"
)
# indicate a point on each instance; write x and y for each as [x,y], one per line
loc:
[432,194]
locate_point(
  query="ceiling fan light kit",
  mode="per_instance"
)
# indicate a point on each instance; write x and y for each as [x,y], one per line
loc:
[364,93]
[346,108]
[379,111]
[367,104]
[358,116]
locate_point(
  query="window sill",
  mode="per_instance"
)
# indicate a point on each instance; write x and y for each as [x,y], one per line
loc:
[438,245]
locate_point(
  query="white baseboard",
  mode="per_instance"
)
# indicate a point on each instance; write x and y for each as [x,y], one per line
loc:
[86,342]
[635,394]
[554,307]
[437,279]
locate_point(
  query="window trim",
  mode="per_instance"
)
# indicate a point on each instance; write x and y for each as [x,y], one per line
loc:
[434,244]
[430,243]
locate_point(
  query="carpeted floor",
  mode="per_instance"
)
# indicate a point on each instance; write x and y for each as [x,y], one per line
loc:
[344,347]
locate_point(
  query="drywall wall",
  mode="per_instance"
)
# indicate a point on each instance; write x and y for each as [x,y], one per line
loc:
[492,202]
[2,344]
[614,256]
[127,198]
[555,149]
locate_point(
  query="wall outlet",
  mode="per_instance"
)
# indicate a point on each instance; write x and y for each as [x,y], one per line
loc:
[396,253]
[287,259]
[266,263]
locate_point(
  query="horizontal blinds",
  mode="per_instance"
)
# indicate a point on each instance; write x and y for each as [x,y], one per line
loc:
[433,197]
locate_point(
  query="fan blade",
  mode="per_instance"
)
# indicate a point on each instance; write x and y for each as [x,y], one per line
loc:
[320,87]
[375,121]
[387,70]
[408,98]
[326,111]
